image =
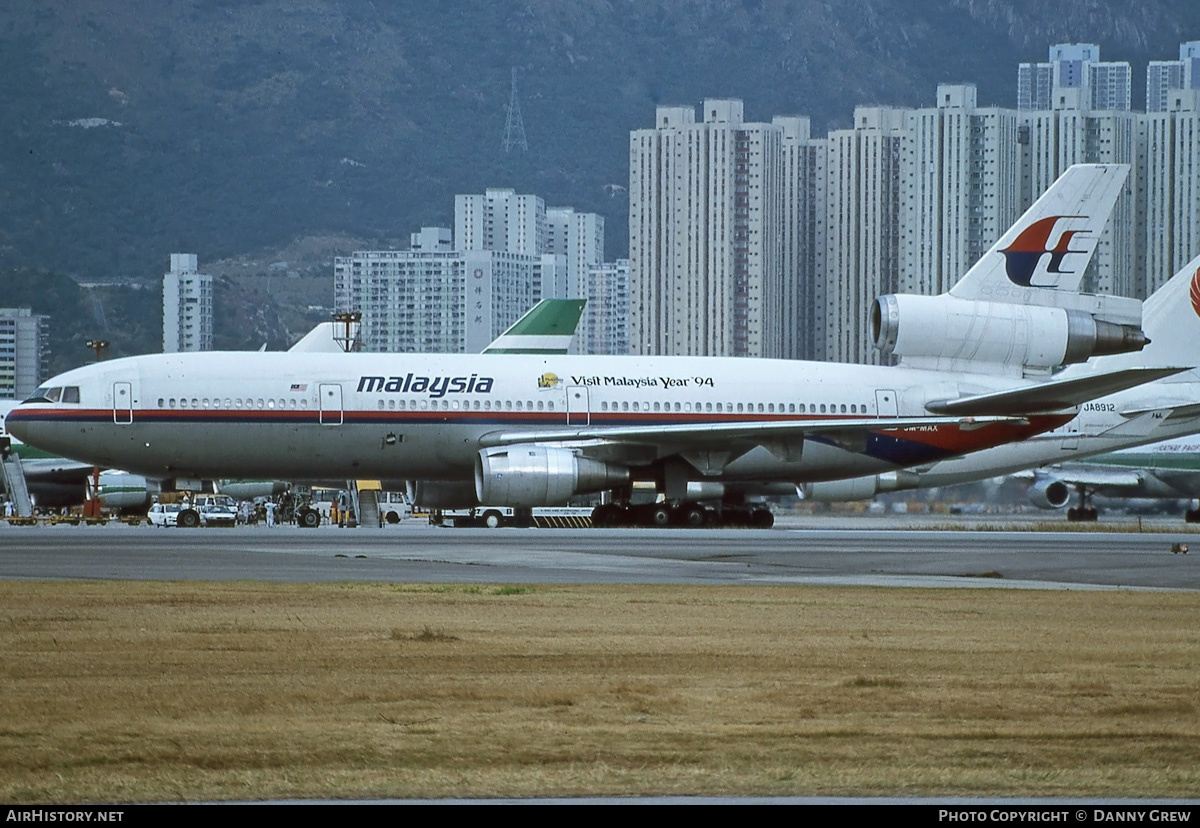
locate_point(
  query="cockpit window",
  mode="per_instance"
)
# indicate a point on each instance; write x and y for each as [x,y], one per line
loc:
[39,395]
[54,394]
[71,394]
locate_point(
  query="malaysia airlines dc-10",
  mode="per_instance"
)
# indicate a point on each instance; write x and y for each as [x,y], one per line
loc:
[532,430]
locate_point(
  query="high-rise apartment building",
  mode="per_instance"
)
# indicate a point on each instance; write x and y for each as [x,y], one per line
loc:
[706,268]
[802,228]
[436,298]
[23,350]
[1074,66]
[862,227]
[578,239]
[604,327]
[1171,184]
[1165,76]
[187,306]
[961,187]
[500,220]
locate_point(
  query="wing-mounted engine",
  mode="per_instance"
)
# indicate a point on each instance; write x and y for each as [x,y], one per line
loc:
[1048,493]
[532,475]
[976,336]
[442,494]
[857,488]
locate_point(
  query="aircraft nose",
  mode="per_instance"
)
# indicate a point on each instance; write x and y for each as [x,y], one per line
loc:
[23,430]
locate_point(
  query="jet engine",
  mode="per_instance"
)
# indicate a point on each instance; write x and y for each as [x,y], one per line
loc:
[123,491]
[857,488]
[528,475]
[442,494]
[949,331]
[1048,493]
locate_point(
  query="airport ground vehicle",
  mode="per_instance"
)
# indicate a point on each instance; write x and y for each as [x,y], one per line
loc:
[164,514]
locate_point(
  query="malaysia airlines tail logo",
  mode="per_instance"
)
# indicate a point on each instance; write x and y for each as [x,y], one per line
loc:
[1194,292]
[1024,255]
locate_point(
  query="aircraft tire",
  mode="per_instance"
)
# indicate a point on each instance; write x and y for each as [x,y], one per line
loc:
[607,516]
[660,518]
[694,517]
[188,519]
[762,519]
[493,519]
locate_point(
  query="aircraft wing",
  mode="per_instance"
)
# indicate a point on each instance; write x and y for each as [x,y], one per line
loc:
[710,445]
[1092,475]
[1051,396]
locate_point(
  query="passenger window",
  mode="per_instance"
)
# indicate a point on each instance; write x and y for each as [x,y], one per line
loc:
[381,405]
[160,402]
[182,402]
[550,405]
[172,402]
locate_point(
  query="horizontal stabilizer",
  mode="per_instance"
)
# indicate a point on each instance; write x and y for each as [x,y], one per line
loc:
[1171,412]
[1050,396]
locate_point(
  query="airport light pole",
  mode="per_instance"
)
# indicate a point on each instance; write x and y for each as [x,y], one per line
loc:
[349,342]
[97,345]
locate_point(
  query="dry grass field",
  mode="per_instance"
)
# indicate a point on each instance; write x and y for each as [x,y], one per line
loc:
[171,691]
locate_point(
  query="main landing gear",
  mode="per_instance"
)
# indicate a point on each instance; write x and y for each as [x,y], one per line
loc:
[688,515]
[1085,512]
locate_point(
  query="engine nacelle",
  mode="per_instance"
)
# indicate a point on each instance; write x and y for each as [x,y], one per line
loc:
[441,494]
[122,490]
[857,488]
[1048,493]
[529,475]
[949,331]
[250,489]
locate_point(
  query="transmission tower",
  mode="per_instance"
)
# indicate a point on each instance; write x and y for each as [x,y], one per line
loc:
[514,127]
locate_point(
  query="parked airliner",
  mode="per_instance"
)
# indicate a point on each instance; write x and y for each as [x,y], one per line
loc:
[1157,411]
[532,430]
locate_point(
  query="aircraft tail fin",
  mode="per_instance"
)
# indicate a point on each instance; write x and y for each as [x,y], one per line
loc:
[1050,246]
[1171,321]
[547,328]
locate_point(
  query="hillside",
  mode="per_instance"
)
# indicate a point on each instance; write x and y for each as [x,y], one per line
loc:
[232,129]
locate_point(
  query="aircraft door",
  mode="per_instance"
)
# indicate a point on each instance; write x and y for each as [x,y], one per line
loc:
[331,403]
[122,403]
[1070,435]
[885,403]
[578,412]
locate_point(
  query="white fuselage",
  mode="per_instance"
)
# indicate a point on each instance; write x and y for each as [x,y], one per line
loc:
[425,416]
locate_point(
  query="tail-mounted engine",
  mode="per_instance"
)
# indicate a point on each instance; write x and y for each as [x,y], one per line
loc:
[946,332]
[530,475]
